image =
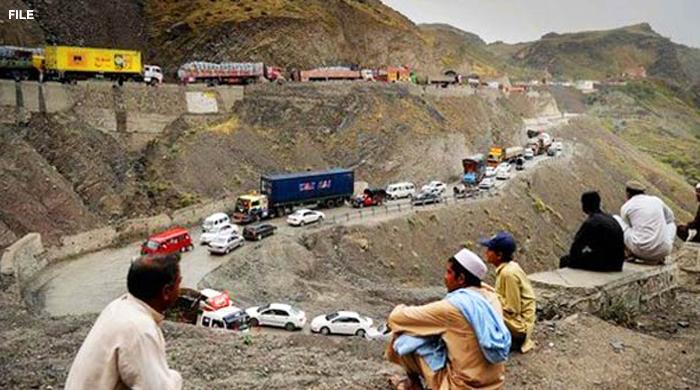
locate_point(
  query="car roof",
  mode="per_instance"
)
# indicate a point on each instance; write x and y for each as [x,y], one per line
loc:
[216,216]
[280,306]
[210,293]
[343,313]
[168,234]
[223,312]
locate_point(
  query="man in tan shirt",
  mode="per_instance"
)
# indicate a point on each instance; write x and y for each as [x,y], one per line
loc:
[466,367]
[125,348]
[514,290]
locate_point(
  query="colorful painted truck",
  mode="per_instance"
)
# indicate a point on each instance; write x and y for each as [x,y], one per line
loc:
[280,194]
[328,74]
[228,72]
[495,156]
[67,63]
[21,63]
[474,169]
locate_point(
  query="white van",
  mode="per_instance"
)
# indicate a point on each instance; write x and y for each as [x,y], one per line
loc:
[400,190]
[214,222]
[152,74]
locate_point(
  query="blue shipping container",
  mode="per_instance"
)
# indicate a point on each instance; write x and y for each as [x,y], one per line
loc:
[307,187]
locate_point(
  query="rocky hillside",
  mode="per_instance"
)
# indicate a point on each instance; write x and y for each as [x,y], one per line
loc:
[602,54]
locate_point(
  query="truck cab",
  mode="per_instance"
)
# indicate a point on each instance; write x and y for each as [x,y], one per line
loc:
[250,208]
[152,74]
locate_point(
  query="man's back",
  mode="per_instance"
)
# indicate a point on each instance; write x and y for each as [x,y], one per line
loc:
[599,244]
[124,349]
[467,367]
[647,217]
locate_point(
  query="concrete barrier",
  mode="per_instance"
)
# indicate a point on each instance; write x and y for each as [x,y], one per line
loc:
[564,291]
[84,242]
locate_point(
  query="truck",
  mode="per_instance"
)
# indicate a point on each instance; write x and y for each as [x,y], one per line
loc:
[228,72]
[538,141]
[328,74]
[495,157]
[474,169]
[280,194]
[512,153]
[68,63]
[21,63]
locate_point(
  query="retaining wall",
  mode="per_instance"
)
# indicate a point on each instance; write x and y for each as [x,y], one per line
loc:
[24,259]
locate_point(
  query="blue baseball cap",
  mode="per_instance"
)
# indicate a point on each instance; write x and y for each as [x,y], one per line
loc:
[501,242]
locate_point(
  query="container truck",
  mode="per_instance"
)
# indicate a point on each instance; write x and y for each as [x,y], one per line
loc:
[227,72]
[67,63]
[21,63]
[329,73]
[513,153]
[474,169]
[280,194]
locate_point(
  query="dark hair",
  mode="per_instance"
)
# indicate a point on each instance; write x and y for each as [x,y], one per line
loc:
[149,274]
[631,192]
[590,201]
[469,278]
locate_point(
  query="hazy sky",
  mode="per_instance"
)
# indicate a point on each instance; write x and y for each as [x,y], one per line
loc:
[526,20]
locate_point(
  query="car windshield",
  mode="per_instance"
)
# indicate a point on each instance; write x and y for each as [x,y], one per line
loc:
[242,205]
[264,307]
[152,244]
[331,316]
[233,317]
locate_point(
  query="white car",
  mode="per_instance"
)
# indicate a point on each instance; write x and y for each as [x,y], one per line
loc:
[225,243]
[229,317]
[304,216]
[381,333]
[221,230]
[503,172]
[215,221]
[341,322]
[490,171]
[487,183]
[278,315]
[400,190]
[529,154]
[434,186]
[558,146]
[152,74]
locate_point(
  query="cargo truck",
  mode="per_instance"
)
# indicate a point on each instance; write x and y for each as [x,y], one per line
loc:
[512,153]
[474,169]
[495,156]
[69,63]
[280,194]
[328,74]
[21,63]
[228,72]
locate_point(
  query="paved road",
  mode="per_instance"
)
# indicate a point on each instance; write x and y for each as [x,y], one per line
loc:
[86,284]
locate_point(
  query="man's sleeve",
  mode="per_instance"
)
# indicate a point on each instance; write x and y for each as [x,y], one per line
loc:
[668,214]
[509,295]
[426,320]
[580,241]
[142,365]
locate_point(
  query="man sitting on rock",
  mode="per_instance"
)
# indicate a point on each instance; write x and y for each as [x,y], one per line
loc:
[599,243]
[459,342]
[691,231]
[514,290]
[647,224]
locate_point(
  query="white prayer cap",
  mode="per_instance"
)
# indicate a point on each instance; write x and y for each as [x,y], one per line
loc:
[472,263]
[697,187]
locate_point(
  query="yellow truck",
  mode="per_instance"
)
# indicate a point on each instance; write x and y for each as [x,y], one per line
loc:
[495,157]
[66,63]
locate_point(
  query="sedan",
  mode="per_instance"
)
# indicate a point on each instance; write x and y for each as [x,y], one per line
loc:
[225,243]
[304,216]
[381,333]
[426,198]
[341,322]
[223,230]
[490,171]
[434,186]
[487,184]
[277,315]
[258,232]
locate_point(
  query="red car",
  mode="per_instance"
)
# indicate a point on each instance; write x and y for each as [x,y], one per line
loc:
[170,241]
[369,198]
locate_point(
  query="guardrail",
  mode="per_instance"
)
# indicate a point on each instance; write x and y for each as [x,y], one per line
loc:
[388,208]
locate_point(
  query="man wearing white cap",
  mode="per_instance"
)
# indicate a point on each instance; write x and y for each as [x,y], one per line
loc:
[690,231]
[648,225]
[473,342]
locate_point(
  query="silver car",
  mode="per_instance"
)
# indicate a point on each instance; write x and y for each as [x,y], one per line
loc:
[225,243]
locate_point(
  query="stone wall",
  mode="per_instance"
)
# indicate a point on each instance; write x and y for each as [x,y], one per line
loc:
[88,241]
[565,291]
